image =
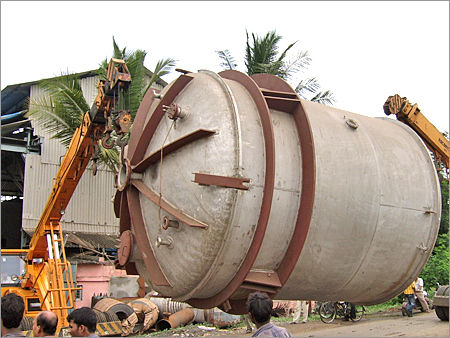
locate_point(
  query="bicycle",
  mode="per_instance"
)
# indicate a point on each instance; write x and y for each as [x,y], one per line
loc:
[328,311]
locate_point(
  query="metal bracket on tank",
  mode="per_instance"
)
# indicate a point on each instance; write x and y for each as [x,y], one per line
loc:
[167,207]
[171,147]
[429,211]
[422,247]
[156,95]
[221,181]
[352,123]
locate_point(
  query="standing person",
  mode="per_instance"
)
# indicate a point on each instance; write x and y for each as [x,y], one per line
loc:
[44,324]
[82,322]
[409,296]
[13,308]
[418,290]
[301,309]
[259,306]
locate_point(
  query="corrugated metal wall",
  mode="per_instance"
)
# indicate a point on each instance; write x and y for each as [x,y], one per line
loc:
[91,207]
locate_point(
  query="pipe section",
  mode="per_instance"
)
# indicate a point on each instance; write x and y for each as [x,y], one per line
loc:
[177,319]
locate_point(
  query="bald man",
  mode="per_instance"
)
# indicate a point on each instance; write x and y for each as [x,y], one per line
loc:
[44,324]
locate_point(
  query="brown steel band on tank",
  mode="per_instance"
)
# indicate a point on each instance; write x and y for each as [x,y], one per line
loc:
[271,82]
[280,96]
[120,199]
[129,195]
[223,297]
[136,152]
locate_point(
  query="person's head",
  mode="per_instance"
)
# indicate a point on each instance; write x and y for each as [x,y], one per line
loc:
[259,306]
[82,322]
[12,311]
[44,324]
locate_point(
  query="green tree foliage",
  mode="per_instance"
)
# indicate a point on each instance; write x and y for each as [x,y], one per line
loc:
[262,56]
[437,268]
[443,229]
[61,110]
[135,63]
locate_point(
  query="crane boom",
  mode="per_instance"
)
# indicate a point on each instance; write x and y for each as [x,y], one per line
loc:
[411,115]
[48,274]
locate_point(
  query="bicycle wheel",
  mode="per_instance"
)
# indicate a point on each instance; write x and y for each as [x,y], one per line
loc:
[359,312]
[327,312]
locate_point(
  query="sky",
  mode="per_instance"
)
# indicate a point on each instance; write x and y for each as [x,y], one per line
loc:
[362,51]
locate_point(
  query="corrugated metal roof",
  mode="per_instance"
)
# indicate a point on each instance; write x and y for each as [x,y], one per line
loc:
[14,96]
[90,241]
[92,247]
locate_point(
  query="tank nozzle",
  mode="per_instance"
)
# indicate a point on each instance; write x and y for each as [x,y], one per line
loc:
[167,242]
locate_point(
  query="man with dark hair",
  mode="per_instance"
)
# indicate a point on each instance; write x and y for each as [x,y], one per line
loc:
[12,314]
[82,322]
[44,324]
[259,306]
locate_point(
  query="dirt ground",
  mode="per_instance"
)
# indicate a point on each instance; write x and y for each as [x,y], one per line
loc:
[384,324]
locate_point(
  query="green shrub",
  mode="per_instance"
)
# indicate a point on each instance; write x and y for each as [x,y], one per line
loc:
[437,268]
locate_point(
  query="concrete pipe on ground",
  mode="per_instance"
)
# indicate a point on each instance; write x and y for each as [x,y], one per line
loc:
[232,184]
[176,319]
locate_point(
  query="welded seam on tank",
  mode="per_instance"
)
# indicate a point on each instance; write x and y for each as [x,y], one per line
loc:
[234,108]
[235,114]
[369,247]
[404,208]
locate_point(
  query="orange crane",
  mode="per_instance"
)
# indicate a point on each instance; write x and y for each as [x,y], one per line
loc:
[411,115]
[47,283]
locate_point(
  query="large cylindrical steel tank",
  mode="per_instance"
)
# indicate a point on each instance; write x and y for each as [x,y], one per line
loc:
[232,184]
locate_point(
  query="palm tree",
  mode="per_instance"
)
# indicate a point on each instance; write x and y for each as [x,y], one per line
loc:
[262,56]
[61,110]
[135,64]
